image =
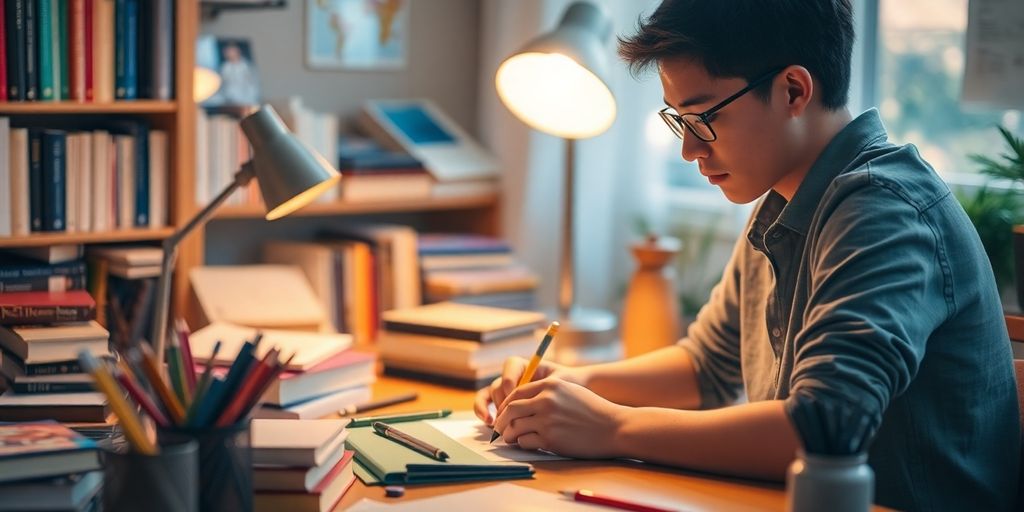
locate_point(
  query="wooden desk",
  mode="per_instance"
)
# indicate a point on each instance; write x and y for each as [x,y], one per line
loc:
[681,489]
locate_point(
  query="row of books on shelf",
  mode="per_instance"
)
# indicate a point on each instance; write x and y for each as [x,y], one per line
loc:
[221,146]
[87,50]
[82,180]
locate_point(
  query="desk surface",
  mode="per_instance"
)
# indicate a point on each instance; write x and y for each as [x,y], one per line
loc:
[684,490]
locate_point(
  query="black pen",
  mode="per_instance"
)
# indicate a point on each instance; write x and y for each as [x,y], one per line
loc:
[410,442]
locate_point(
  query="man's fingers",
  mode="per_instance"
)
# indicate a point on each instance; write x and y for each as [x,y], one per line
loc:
[531,441]
[480,406]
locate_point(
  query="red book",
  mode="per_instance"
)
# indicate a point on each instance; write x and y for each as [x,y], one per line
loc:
[3,51]
[77,48]
[18,308]
[88,50]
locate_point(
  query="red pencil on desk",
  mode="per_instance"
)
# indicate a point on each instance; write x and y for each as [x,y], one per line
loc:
[608,501]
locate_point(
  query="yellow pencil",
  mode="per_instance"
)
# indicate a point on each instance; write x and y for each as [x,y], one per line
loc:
[129,420]
[531,368]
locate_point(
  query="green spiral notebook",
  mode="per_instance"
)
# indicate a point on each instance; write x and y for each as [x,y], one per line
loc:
[381,461]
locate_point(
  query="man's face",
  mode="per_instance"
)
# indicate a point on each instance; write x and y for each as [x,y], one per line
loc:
[751,154]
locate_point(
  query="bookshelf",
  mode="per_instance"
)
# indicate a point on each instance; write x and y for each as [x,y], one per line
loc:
[476,213]
[176,117]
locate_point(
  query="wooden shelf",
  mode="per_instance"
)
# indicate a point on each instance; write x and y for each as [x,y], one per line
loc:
[339,208]
[73,107]
[124,235]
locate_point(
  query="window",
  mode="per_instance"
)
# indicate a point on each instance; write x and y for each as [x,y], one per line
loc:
[919,77]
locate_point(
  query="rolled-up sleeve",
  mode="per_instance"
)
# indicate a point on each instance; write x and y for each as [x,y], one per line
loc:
[877,293]
[713,338]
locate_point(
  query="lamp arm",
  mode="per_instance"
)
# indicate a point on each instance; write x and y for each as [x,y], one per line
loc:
[567,282]
[170,253]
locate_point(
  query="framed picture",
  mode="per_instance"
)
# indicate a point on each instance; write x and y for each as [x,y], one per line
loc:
[232,60]
[356,34]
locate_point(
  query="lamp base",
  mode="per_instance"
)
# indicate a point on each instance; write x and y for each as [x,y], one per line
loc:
[586,336]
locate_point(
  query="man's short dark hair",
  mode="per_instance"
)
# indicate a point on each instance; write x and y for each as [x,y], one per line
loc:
[745,38]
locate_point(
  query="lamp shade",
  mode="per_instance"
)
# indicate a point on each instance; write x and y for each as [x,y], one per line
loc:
[290,174]
[556,83]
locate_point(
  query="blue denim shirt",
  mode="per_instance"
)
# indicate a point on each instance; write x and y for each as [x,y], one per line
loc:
[870,293]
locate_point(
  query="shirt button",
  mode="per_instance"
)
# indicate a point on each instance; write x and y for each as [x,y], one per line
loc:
[776,235]
[776,332]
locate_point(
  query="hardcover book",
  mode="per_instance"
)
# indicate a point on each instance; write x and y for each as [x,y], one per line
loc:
[463,321]
[46,307]
[34,450]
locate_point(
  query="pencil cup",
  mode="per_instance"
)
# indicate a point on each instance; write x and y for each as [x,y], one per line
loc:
[225,465]
[166,482]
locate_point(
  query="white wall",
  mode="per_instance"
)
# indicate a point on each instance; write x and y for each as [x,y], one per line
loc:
[441,62]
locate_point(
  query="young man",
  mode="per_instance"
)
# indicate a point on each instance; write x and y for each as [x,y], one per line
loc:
[859,298]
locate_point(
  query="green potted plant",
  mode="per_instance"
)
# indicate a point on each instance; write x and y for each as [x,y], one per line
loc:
[997,213]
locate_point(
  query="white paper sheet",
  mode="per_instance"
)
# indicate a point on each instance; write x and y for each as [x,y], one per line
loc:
[474,434]
[995,54]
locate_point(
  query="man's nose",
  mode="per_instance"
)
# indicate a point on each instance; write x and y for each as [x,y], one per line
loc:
[694,148]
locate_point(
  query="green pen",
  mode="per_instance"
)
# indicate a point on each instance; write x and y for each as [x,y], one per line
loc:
[401,417]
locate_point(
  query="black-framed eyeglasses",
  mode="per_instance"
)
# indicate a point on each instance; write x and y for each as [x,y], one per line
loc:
[700,124]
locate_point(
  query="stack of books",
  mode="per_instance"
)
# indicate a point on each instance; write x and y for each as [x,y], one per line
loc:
[41,334]
[474,269]
[374,173]
[46,466]
[123,279]
[300,465]
[461,345]
[324,377]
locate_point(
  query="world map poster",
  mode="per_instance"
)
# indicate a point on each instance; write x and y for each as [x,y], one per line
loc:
[356,34]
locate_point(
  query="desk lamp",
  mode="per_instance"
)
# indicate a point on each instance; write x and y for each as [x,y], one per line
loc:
[289,174]
[555,85]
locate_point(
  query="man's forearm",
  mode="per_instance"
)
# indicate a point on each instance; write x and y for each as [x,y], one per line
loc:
[663,378]
[753,440]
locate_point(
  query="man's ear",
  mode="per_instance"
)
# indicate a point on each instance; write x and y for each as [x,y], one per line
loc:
[798,87]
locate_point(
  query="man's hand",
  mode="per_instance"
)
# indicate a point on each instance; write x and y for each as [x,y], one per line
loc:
[561,417]
[514,367]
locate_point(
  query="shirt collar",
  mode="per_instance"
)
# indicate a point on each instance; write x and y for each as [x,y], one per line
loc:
[843,149]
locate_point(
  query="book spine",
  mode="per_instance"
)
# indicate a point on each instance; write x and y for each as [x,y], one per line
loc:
[90,94]
[103,50]
[126,49]
[31,51]
[43,284]
[52,387]
[15,20]
[45,17]
[20,193]
[3,49]
[62,31]
[55,368]
[76,49]
[33,270]
[35,179]
[54,181]
[141,134]
[55,49]
[159,20]
[17,315]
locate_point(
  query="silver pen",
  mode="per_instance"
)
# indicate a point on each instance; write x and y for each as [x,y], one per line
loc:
[409,441]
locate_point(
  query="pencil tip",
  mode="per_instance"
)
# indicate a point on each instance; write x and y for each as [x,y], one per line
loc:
[494,436]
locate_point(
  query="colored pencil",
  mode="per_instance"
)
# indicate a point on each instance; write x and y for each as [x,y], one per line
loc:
[144,356]
[125,414]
